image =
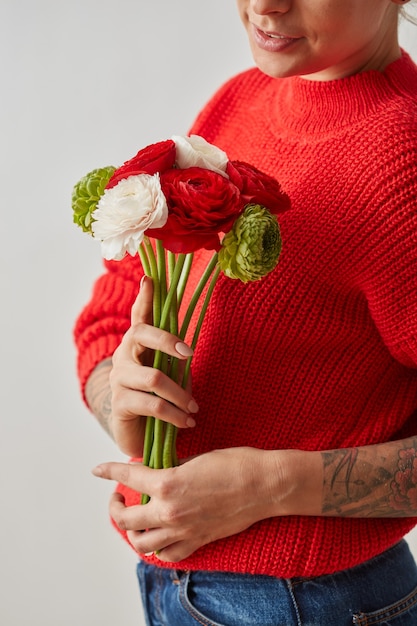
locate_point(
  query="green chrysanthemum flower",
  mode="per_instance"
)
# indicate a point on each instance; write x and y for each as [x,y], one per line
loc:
[86,194]
[252,248]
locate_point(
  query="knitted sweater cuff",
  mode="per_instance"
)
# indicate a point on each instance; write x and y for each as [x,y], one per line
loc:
[94,354]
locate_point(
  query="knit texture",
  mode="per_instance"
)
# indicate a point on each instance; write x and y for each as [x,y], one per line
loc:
[322,352]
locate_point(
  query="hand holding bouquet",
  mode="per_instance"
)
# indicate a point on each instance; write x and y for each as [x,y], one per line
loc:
[170,200]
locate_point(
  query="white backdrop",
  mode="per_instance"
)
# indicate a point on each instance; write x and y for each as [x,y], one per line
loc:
[83,84]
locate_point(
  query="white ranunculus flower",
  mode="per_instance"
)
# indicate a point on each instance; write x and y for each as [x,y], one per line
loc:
[125,211]
[194,151]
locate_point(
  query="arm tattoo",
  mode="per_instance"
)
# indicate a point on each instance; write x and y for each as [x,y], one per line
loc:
[98,394]
[404,484]
[371,481]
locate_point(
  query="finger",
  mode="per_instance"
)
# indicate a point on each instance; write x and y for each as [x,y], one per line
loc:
[139,523]
[127,518]
[148,336]
[134,475]
[137,404]
[151,542]
[138,519]
[142,307]
[177,551]
[148,391]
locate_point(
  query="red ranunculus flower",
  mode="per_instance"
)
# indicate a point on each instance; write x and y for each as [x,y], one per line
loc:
[201,205]
[256,186]
[158,157]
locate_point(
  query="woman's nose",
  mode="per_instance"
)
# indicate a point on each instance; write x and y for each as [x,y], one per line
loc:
[265,7]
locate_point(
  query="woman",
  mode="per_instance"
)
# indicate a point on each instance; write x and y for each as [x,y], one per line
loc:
[300,431]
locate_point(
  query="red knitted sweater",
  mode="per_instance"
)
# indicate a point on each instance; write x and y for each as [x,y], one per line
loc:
[321,353]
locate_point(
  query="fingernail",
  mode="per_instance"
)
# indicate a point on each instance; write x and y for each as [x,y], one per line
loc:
[192,406]
[148,554]
[190,422]
[97,471]
[183,349]
[142,280]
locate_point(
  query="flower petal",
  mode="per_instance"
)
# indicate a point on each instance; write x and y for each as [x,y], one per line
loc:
[125,211]
[195,151]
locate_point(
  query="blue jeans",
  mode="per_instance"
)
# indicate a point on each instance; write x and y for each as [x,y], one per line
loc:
[382,591]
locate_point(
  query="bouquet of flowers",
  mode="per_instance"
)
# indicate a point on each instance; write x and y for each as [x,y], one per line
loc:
[170,200]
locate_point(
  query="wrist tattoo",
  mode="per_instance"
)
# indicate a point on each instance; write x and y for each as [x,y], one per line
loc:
[371,481]
[98,393]
[404,483]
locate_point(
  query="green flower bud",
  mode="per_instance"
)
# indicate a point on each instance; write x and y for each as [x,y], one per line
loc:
[86,194]
[252,248]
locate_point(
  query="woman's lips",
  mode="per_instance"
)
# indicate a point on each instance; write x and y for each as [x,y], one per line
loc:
[271,41]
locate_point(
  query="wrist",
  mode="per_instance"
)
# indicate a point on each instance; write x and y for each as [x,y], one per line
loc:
[98,394]
[295,482]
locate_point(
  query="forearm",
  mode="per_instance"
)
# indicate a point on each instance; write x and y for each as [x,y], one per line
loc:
[98,394]
[369,481]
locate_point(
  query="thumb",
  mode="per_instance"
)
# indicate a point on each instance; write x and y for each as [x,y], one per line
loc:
[142,309]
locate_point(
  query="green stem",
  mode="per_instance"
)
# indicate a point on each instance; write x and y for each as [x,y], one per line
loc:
[205,306]
[184,277]
[148,441]
[158,267]
[170,458]
[147,449]
[160,437]
[173,312]
[172,291]
[158,443]
[156,283]
[200,322]
[168,450]
[196,295]
[162,271]
[144,259]
[165,317]
[150,266]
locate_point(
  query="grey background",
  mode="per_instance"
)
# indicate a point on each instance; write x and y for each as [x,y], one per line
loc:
[83,84]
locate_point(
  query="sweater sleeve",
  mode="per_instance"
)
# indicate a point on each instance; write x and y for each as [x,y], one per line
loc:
[391,255]
[104,320]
